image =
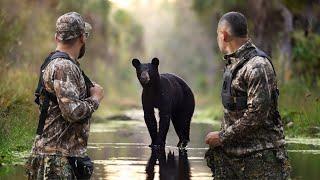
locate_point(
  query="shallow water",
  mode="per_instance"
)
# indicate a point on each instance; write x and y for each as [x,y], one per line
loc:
[115,160]
[120,151]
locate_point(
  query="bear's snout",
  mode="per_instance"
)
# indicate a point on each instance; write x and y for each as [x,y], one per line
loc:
[144,78]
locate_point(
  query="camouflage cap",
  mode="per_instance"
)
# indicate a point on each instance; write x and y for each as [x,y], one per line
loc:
[71,25]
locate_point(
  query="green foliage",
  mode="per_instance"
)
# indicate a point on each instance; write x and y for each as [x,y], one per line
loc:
[305,54]
[122,17]
[128,32]
[17,113]
[296,6]
[300,109]
[71,5]
[203,5]
[8,33]
[209,115]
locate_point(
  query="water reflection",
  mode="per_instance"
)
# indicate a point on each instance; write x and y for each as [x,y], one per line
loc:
[120,151]
[170,166]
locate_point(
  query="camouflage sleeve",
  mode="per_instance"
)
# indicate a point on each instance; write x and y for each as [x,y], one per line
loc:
[259,98]
[66,82]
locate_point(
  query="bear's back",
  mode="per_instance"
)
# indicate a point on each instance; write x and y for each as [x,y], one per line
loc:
[174,79]
[181,94]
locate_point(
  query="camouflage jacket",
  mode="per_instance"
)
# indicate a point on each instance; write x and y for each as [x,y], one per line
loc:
[256,127]
[63,133]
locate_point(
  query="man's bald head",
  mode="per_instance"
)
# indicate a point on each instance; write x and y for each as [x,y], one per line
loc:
[236,23]
[232,32]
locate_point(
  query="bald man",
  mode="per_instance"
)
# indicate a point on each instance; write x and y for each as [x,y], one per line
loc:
[250,144]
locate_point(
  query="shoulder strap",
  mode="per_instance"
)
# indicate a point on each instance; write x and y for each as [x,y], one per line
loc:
[59,54]
[260,53]
[40,86]
[52,56]
[263,54]
[41,91]
[87,80]
[237,103]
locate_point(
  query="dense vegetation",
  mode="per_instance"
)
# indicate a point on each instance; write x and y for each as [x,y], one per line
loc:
[180,33]
[290,32]
[27,36]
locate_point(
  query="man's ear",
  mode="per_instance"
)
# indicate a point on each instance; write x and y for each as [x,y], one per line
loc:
[155,61]
[82,38]
[226,36]
[55,37]
[136,63]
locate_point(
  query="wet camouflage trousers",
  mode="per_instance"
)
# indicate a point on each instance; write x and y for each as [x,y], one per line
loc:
[266,164]
[49,167]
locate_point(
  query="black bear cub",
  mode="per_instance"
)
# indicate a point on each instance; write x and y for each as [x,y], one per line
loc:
[171,96]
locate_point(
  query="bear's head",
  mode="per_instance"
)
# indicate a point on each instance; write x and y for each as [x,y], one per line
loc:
[147,73]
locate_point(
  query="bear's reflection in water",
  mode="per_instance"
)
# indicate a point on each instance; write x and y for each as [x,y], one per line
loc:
[171,167]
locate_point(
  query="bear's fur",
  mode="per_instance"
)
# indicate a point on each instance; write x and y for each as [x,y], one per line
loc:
[171,96]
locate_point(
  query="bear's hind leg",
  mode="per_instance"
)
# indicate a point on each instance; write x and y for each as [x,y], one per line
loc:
[186,132]
[177,127]
[182,127]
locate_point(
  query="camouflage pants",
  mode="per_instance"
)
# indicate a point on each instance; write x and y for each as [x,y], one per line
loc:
[265,164]
[49,167]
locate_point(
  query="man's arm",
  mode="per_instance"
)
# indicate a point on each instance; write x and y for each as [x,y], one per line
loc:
[66,82]
[259,98]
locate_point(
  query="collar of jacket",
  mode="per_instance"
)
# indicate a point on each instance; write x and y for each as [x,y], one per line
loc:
[236,56]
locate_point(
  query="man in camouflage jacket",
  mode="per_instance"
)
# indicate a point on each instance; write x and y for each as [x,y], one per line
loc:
[250,144]
[64,134]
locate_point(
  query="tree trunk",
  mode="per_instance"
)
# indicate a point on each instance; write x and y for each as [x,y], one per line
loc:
[260,14]
[286,44]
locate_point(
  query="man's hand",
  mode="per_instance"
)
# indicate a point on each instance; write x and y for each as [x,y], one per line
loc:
[97,92]
[213,139]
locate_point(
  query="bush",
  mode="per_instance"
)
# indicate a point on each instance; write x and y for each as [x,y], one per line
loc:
[305,56]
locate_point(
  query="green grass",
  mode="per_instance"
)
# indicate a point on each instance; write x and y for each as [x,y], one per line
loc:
[300,107]
[18,115]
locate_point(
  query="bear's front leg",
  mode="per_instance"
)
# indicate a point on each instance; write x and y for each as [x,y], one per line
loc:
[164,124]
[151,122]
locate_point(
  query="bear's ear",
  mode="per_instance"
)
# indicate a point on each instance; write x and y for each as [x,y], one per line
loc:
[135,62]
[155,61]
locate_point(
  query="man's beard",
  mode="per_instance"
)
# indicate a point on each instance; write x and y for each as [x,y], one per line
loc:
[82,51]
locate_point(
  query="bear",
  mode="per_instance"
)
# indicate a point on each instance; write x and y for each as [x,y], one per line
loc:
[173,98]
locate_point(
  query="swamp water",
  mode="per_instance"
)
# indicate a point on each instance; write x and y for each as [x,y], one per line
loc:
[120,150]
